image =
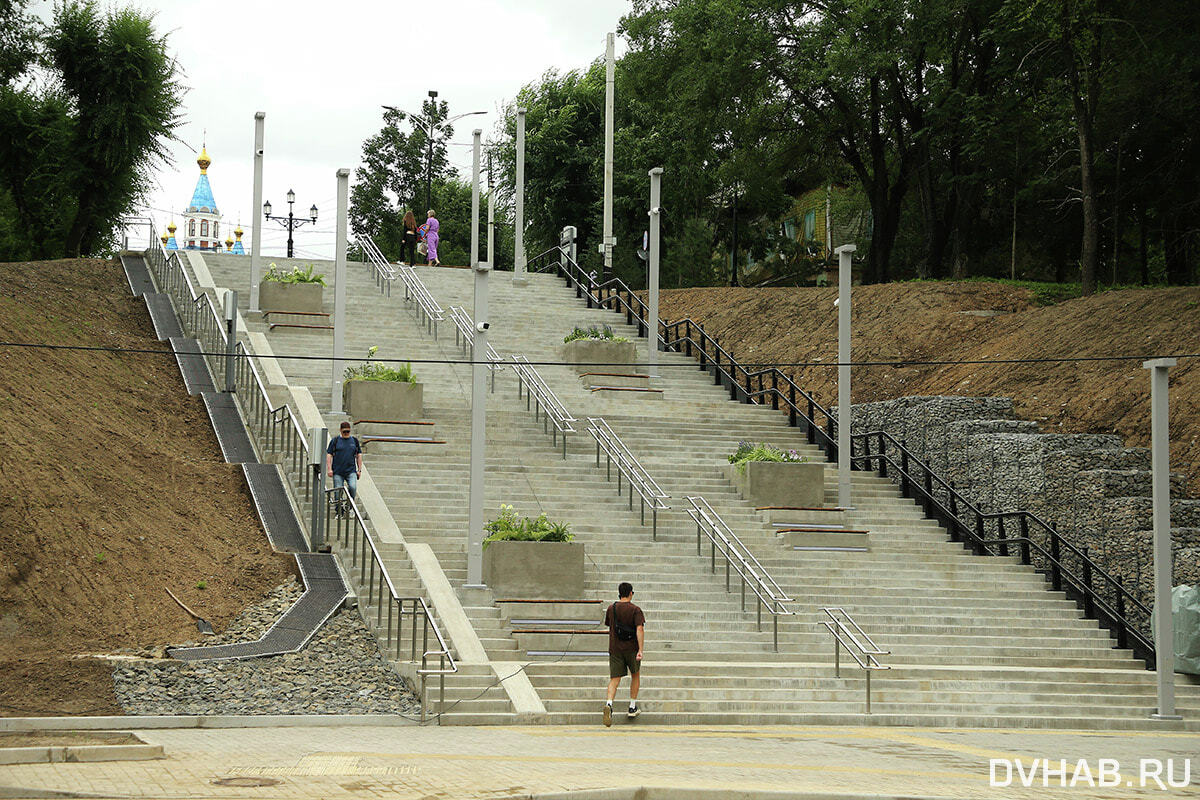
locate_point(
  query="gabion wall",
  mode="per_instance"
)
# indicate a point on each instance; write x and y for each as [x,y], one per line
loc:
[1095,491]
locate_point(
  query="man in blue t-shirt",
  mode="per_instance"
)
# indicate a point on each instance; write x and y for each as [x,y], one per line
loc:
[343,462]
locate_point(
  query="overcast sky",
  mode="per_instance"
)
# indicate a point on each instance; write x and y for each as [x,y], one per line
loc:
[320,71]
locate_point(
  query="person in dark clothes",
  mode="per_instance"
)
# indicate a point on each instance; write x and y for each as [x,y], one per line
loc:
[408,246]
[626,638]
[343,462]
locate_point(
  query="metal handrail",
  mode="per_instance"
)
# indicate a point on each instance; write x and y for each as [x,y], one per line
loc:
[1117,610]
[846,633]
[268,422]
[383,271]
[415,290]
[739,560]
[545,402]
[351,530]
[777,591]
[639,479]
[464,336]
[269,425]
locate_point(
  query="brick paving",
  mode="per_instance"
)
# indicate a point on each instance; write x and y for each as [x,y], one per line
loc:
[463,762]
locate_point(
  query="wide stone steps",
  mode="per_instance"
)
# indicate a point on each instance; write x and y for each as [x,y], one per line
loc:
[974,640]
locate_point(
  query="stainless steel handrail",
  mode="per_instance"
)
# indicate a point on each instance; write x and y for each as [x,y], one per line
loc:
[544,401]
[721,541]
[349,538]
[273,433]
[715,519]
[268,419]
[846,633]
[414,289]
[464,336]
[384,272]
[639,479]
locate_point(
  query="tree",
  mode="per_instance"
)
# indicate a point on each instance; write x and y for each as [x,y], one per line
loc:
[393,176]
[77,149]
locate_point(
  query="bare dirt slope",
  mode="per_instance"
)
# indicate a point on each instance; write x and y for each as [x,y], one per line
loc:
[922,321]
[113,489]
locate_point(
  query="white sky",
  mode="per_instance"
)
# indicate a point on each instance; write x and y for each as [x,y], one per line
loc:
[320,71]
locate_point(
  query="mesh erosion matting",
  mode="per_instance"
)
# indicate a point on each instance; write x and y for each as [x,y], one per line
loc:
[324,591]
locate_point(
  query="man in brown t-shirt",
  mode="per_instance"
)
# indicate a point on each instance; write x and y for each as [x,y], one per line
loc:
[626,637]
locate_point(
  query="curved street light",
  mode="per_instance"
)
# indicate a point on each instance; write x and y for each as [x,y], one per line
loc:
[429,130]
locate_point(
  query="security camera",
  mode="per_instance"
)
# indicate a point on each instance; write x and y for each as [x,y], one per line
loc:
[483,326]
[258,152]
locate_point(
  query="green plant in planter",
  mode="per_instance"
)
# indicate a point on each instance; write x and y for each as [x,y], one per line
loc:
[603,333]
[512,527]
[761,451]
[374,371]
[296,275]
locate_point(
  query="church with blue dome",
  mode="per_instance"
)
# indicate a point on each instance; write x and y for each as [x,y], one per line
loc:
[202,219]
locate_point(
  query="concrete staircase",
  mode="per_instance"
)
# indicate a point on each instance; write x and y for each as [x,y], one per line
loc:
[973,640]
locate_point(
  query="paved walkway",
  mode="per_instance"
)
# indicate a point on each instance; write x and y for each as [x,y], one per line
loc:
[460,762]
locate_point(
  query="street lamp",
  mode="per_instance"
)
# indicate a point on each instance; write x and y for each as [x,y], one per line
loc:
[429,131]
[291,222]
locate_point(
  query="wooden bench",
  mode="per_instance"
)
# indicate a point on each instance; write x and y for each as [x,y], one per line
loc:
[798,508]
[306,314]
[854,540]
[396,438]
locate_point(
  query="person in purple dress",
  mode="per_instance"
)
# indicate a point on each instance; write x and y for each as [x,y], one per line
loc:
[431,239]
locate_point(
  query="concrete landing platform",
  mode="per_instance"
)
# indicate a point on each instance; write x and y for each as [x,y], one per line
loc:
[595,763]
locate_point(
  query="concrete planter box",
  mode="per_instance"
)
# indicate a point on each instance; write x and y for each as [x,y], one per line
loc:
[294,297]
[599,351]
[386,400]
[534,570]
[773,483]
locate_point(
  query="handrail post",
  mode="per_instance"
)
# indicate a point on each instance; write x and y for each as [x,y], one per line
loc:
[1025,556]
[980,535]
[1055,572]
[903,469]
[1089,600]
[1000,534]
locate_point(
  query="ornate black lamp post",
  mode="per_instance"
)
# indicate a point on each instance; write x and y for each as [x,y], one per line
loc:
[291,222]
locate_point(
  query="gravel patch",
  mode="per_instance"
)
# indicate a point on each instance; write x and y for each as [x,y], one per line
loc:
[340,671]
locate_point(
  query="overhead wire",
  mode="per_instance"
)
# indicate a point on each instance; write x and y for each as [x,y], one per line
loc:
[551,363]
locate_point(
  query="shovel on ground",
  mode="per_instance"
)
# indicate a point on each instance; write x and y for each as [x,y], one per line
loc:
[201,623]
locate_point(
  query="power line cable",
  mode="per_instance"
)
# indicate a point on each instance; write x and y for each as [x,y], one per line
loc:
[757,365]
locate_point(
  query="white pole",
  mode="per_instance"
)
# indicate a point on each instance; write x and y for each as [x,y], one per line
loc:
[1160,464]
[478,392]
[339,290]
[519,276]
[491,230]
[652,322]
[609,90]
[256,229]
[475,198]
[844,374]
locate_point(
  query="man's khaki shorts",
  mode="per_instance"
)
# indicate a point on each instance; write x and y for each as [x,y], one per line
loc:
[621,663]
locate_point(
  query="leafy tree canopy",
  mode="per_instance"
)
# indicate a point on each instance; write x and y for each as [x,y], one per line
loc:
[87,106]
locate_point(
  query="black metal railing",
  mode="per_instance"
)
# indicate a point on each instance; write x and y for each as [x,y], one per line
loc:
[1067,567]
